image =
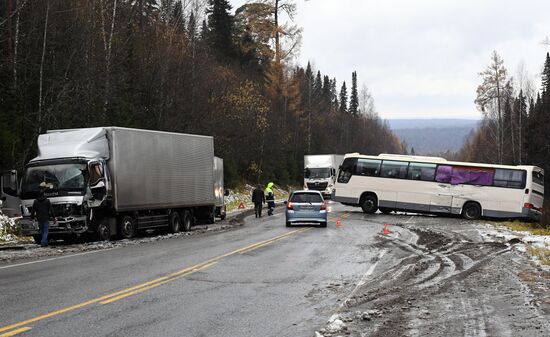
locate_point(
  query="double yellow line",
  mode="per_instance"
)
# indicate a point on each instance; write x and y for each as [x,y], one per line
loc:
[20,326]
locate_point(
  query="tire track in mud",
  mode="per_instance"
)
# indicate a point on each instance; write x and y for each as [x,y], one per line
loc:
[437,265]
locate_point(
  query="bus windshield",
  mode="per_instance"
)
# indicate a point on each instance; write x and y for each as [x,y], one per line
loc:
[54,178]
[315,173]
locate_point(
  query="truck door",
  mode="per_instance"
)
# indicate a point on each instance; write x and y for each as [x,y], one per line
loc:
[97,183]
[9,191]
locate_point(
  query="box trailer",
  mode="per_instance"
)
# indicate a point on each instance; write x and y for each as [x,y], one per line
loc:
[117,181]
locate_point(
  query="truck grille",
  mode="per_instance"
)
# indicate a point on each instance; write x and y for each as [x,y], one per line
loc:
[321,186]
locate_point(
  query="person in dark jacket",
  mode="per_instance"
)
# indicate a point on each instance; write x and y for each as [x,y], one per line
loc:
[41,211]
[270,198]
[258,198]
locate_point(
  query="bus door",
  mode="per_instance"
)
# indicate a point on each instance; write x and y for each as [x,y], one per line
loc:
[442,197]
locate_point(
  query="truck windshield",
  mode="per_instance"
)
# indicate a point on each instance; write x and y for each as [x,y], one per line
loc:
[54,178]
[315,173]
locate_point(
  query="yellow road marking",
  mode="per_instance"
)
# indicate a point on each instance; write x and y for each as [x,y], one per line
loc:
[147,285]
[156,284]
[15,332]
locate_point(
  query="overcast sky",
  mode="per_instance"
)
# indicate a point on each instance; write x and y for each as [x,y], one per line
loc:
[421,58]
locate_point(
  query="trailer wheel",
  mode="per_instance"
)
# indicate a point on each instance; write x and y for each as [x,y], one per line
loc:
[174,222]
[103,231]
[187,221]
[127,227]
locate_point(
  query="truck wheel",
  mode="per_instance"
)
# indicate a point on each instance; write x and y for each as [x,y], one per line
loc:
[103,231]
[127,227]
[174,222]
[187,221]
[369,204]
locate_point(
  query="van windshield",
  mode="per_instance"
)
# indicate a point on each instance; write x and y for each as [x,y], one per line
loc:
[315,173]
[54,178]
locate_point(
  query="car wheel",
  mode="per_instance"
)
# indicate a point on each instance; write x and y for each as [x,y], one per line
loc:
[324,224]
[174,222]
[187,221]
[103,231]
[288,224]
[369,204]
[127,227]
[471,211]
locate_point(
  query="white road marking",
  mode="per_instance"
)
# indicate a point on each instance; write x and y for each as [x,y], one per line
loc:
[56,258]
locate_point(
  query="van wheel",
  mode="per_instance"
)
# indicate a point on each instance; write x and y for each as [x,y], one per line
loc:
[471,211]
[369,204]
[103,231]
[187,221]
[127,227]
[174,222]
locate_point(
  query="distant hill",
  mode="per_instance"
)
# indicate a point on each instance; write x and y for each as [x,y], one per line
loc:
[429,136]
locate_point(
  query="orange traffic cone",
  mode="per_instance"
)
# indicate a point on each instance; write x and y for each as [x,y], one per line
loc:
[338,223]
[386,230]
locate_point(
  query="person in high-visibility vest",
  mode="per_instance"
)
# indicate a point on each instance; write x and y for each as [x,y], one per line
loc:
[269,198]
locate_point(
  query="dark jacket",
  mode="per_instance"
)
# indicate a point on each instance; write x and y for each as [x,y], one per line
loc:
[42,209]
[258,196]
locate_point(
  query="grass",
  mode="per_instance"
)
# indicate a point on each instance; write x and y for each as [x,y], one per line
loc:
[542,254]
[531,227]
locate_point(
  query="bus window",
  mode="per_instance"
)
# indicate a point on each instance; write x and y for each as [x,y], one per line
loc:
[538,178]
[421,171]
[509,178]
[368,167]
[346,170]
[472,176]
[444,174]
[394,169]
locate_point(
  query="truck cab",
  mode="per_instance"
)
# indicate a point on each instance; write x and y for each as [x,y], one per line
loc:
[320,172]
[9,191]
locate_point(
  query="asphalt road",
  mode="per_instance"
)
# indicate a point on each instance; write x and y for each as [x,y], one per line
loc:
[431,275]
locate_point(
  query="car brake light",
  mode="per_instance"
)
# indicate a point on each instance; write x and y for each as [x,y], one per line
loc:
[323,206]
[528,205]
[289,205]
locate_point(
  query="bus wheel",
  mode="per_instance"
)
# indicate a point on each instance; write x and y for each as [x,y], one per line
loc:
[187,221]
[369,204]
[471,211]
[174,222]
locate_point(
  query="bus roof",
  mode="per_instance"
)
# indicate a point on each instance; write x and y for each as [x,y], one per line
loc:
[438,160]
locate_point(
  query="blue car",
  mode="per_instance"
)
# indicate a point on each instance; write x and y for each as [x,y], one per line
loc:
[306,206]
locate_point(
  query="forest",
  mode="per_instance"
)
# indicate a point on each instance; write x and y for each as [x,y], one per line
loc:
[516,124]
[190,66]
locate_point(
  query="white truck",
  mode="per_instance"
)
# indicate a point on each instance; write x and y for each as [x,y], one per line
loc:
[109,181]
[320,172]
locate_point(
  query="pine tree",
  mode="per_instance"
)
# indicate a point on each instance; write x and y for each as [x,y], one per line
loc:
[546,74]
[354,98]
[220,28]
[343,98]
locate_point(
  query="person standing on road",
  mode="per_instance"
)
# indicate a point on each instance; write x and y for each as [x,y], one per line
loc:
[41,211]
[270,198]
[258,198]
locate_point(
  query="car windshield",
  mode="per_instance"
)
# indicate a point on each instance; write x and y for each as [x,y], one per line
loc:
[306,197]
[58,177]
[313,173]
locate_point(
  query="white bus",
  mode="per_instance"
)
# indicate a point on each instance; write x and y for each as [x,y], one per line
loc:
[434,185]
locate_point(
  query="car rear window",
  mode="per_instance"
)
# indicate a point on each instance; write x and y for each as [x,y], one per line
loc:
[306,197]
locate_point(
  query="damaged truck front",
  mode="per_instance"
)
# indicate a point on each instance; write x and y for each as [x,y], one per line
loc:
[116,181]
